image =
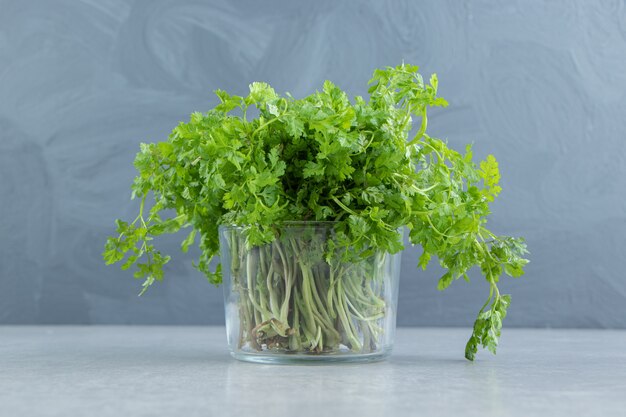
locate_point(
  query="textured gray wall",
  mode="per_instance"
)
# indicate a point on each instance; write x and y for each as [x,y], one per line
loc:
[539,84]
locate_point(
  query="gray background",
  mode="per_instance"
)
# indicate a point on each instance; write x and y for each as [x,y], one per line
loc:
[539,84]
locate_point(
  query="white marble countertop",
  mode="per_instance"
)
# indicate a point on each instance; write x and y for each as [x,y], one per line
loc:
[187,371]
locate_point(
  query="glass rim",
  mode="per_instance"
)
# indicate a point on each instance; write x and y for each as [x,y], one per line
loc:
[287,223]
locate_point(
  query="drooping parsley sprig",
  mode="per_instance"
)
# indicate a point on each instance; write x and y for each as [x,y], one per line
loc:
[327,158]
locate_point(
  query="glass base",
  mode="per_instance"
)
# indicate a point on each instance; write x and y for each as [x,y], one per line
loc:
[309,359]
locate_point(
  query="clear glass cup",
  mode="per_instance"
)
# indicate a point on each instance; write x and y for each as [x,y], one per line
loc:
[303,297]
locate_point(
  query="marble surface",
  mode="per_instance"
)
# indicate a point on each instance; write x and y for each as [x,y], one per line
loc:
[187,371]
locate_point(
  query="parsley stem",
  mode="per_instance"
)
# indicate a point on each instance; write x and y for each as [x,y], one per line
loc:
[422,130]
[488,299]
[343,206]
[264,125]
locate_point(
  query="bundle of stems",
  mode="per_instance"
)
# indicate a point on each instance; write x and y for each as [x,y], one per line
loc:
[294,297]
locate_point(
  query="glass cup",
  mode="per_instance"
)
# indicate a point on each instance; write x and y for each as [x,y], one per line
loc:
[304,298]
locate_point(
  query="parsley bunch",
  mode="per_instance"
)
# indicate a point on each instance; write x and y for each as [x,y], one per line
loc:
[324,158]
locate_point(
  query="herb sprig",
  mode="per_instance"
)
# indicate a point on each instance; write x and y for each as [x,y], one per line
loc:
[325,158]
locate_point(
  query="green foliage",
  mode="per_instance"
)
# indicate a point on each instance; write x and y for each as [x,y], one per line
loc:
[325,158]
